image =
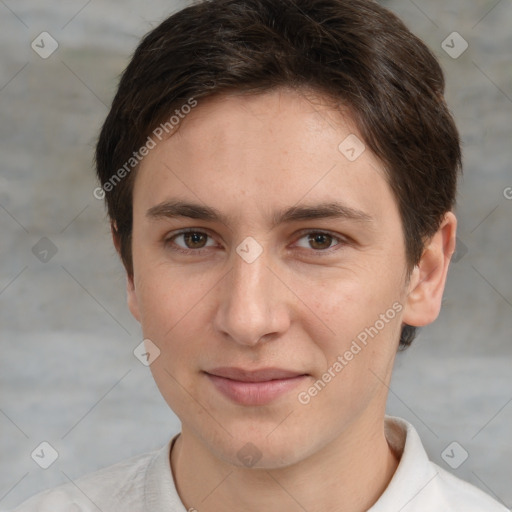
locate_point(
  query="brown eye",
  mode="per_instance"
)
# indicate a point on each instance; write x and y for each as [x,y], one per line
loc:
[194,240]
[320,241]
[189,241]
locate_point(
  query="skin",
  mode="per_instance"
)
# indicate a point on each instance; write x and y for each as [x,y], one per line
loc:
[298,306]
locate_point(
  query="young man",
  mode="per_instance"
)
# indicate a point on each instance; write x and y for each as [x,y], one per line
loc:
[280,177]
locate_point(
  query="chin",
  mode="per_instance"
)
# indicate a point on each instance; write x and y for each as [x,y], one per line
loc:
[261,448]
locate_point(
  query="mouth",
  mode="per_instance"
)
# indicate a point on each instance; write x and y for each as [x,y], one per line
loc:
[254,387]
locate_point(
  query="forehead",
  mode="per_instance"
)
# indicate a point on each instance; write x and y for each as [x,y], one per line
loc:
[258,152]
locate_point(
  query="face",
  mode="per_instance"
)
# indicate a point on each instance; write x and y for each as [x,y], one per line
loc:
[293,261]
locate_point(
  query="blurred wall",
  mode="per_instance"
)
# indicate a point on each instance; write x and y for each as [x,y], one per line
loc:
[67,372]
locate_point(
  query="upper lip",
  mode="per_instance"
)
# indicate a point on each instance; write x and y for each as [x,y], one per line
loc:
[261,375]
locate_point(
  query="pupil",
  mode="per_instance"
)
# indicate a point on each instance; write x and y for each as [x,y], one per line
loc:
[195,237]
[317,239]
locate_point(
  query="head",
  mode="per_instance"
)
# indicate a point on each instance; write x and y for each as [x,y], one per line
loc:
[249,122]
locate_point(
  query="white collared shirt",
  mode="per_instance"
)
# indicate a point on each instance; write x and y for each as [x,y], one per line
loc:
[145,483]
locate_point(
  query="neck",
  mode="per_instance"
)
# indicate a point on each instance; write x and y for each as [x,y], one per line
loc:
[349,474]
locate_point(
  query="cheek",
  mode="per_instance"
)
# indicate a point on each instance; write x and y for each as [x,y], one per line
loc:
[350,301]
[166,296]
[174,313]
[360,324]
[357,359]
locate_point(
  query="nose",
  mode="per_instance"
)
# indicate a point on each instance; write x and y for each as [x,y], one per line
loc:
[253,302]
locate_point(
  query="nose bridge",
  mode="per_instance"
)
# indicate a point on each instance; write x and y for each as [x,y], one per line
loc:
[251,304]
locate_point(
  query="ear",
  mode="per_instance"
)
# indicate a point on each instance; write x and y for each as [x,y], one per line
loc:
[115,237]
[427,282]
[131,296]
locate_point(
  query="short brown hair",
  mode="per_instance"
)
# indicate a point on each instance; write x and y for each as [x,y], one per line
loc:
[354,52]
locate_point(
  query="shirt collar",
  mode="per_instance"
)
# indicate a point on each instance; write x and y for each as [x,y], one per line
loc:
[414,473]
[160,494]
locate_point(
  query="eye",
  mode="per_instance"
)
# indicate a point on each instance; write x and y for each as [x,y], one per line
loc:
[193,240]
[321,241]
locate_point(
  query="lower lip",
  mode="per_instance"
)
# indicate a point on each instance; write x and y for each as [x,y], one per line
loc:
[254,393]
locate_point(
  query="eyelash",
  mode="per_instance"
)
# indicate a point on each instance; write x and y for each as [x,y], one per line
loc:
[317,252]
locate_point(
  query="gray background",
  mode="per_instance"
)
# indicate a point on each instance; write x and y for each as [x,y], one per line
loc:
[67,372]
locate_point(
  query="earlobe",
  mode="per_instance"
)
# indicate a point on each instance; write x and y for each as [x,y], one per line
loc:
[428,279]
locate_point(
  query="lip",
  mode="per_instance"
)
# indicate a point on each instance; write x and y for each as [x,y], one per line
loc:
[254,387]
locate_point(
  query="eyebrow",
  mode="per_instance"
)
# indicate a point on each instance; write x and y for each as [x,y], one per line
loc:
[328,210]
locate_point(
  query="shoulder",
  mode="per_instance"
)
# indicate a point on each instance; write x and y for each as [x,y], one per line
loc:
[116,487]
[456,494]
[420,485]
